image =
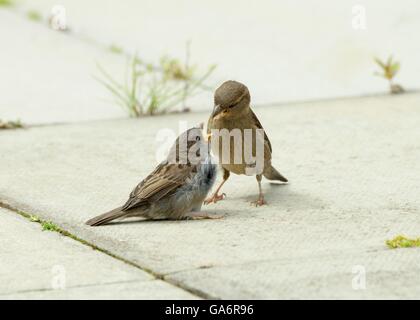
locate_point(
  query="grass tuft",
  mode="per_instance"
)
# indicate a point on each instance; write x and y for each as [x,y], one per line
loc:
[402,242]
[389,70]
[151,89]
[46,225]
[49,226]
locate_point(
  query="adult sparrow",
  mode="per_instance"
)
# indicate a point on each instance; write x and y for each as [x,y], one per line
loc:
[232,111]
[176,188]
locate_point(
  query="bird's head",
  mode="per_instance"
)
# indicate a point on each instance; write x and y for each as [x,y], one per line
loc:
[231,100]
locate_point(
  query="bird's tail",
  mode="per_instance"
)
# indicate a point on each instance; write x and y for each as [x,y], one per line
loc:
[272,174]
[106,217]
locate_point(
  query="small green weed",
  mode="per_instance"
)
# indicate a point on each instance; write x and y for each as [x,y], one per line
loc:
[49,226]
[389,70]
[402,242]
[150,89]
[34,218]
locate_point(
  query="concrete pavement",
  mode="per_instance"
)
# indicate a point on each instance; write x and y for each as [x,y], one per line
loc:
[48,76]
[353,164]
[353,169]
[41,264]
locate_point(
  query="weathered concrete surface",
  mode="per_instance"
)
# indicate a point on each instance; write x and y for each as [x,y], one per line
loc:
[36,264]
[386,274]
[143,290]
[354,182]
[283,50]
[48,76]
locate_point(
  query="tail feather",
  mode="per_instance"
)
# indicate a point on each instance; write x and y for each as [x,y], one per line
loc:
[272,174]
[106,217]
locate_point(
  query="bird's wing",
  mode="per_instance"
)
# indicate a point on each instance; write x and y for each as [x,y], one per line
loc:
[164,180]
[259,126]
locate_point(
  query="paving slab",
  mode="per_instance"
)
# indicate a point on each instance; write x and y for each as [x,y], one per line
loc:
[48,76]
[375,274]
[135,290]
[298,52]
[46,265]
[353,169]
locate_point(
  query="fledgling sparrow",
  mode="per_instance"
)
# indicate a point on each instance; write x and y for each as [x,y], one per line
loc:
[176,188]
[232,111]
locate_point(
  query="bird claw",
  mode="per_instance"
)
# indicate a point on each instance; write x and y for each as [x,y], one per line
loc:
[214,198]
[258,203]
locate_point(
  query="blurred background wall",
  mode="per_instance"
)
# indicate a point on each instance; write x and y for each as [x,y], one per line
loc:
[284,50]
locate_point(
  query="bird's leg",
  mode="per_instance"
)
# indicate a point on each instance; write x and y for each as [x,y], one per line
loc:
[260,200]
[216,196]
[200,215]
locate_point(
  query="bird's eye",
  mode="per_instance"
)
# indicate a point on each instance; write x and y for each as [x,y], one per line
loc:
[197,138]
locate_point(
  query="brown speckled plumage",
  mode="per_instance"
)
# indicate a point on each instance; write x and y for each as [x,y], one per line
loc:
[232,111]
[172,190]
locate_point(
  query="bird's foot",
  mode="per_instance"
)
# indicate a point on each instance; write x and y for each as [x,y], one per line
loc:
[200,215]
[259,202]
[214,198]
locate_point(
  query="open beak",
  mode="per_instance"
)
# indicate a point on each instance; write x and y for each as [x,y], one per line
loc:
[217,109]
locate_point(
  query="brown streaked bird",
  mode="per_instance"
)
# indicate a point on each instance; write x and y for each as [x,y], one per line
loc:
[232,111]
[175,189]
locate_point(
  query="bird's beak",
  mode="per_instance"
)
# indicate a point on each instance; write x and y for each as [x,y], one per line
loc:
[217,109]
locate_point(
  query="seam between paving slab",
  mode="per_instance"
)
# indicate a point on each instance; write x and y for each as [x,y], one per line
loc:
[167,277]
[280,261]
[75,287]
[257,106]
[331,99]
[163,276]
[156,276]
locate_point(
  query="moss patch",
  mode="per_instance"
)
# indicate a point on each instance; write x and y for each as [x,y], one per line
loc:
[6,3]
[46,225]
[49,226]
[115,49]
[34,15]
[402,242]
[34,219]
